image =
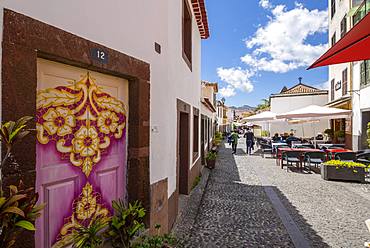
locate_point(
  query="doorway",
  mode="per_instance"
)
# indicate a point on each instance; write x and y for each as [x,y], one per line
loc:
[184,152]
[202,147]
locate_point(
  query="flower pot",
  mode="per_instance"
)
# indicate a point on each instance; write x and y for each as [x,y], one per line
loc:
[211,163]
[342,173]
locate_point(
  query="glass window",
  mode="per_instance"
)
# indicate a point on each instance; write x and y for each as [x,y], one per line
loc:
[333,40]
[365,73]
[344,82]
[187,33]
[332,8]
[332,84]
[343,27]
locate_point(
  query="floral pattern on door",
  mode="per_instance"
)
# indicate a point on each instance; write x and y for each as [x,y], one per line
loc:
[80,121]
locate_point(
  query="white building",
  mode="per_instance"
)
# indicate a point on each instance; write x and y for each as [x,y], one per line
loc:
[349,81]
[361,82]
[145,55]
[297,97]
[223,122]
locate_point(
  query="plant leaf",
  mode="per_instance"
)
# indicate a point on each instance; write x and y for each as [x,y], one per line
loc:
[26,225]
[13,210]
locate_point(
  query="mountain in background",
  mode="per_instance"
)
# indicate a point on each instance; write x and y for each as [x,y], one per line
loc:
[244,108]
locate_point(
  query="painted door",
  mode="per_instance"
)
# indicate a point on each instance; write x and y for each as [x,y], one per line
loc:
[81,147]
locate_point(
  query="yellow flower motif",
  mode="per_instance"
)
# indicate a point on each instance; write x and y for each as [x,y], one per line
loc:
[107,122]
[86,141]
[59,121]
[86,207]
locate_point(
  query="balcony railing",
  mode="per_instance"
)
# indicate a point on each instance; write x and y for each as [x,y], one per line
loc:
[362,10]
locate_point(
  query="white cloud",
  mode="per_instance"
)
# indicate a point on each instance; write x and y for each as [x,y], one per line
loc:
[281,45]
[323,86]
[265,4]
[227,91]
[236,78]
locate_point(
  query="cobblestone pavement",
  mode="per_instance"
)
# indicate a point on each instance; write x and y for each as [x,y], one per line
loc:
[235,210]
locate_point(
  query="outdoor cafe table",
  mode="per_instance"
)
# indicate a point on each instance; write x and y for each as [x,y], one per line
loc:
[275,144]
[330,153]
[279,159]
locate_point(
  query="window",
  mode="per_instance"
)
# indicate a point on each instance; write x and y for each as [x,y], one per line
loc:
[195,135]
[343,27]
[365,73]
[332,90]
[344,82]
[333,40]
[186,33]
[332,8]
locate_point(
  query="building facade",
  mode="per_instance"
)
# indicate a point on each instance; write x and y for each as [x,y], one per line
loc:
[349,81]
[223,124]
[115,91]
[208,116]
[296,97]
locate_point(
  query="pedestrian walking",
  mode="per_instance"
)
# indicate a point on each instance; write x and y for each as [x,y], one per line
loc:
[234,140]
[249,136]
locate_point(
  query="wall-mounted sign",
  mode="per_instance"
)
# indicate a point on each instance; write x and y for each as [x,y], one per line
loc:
[338,85]
[99,55]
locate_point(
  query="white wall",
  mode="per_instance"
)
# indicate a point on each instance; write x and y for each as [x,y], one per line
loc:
[132,27]
[290,103]
[360,102]
[335,71]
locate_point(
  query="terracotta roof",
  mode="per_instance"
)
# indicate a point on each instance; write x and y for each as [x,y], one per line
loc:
[201,17]
[214,85]
[300,89]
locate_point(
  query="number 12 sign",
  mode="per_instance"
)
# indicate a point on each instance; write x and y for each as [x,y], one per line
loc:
[99,55]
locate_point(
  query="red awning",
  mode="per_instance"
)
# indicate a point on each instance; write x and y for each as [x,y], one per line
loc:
[354,46]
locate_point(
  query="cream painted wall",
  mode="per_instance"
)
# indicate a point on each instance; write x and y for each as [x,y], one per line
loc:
[132,27]
[285,104]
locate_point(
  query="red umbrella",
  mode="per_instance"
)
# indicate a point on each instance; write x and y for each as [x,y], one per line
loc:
[354,46]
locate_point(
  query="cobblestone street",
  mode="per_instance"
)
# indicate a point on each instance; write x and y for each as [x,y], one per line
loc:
[251,202]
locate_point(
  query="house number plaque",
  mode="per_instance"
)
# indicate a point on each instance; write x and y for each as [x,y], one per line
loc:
[99,55]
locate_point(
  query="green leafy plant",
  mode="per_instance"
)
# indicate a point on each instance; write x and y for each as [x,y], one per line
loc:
[211,156]
[12,132]
[17,213]
[156,241]
[126,223]
[339,134]
[196,182]
[265,133]
[91,236]
[329,132]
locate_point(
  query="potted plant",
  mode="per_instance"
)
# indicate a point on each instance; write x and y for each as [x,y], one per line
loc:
[329,132]
[211,160]
[341,170]
[340,135]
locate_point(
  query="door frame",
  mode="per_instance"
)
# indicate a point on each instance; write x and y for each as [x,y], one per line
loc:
[183,108]
[26,39]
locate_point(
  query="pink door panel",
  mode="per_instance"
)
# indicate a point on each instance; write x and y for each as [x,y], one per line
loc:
[81,149]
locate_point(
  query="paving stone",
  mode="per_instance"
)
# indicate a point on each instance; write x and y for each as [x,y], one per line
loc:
[234,210]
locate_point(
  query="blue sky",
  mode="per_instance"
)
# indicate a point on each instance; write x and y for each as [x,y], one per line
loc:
[258,46]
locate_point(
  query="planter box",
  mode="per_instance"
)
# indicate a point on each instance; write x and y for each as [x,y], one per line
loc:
[211,164]
[345,174]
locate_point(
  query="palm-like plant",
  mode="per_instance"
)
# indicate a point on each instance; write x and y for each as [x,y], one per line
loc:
[91,236]
[264,105]
[10,133]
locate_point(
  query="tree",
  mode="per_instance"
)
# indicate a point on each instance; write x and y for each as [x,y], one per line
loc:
[264,105]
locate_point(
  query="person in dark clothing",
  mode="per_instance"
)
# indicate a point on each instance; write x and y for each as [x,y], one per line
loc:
[234,139]
[276,138]
[249,136]
[291,138]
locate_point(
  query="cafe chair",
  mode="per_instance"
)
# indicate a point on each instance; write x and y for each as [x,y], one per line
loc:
[265,148]
[315,158]
[345,156]
[291,157]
